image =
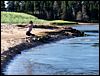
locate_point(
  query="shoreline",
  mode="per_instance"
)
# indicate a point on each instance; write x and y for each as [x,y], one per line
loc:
[28,42]
[82,23]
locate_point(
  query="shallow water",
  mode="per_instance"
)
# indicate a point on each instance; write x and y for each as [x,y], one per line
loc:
[79,55]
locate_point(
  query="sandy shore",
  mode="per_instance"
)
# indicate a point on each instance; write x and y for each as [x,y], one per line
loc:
[14,39]
[80,23]
[13,35]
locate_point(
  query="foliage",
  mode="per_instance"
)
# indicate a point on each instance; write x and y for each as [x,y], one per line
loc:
[52,10]
[2,6]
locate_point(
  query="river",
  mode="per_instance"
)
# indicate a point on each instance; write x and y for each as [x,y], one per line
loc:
[73,56]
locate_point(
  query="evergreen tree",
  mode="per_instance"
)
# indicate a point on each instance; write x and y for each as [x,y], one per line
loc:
[66,10]
[11,6]
[2,6]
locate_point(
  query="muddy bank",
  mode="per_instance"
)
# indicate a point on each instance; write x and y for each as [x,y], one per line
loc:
[21,42]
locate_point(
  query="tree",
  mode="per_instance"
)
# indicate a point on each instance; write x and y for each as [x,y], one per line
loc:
[55,9]
[66,10]
[17,6]
[11,6]
[2,6]
[79,16]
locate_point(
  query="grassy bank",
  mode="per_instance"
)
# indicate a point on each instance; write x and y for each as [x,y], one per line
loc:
[61,22]
[19,18]
[22,18]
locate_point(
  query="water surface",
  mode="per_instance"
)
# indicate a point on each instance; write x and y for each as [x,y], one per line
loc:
[79,55]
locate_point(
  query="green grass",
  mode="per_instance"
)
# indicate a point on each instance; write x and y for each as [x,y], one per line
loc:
[61,22]
[19,18]
[23,18]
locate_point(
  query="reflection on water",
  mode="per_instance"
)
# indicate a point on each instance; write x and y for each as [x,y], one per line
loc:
[72,56]
[95,45]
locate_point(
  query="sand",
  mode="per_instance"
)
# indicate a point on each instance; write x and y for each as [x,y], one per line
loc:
[12,35]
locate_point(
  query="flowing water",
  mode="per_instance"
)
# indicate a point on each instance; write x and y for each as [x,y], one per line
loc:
[79,55]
